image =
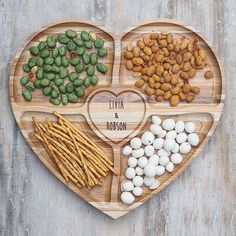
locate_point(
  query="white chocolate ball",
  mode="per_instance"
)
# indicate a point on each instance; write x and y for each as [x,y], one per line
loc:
[127,197]
[137,191]
[127,150]
[142,162]
[170,167]
[135,143]
[175,149]
[138,153]
[190,127]
[163,134]
[154,159]
[148,181]
[147,138]
[132,162]
[163,152]
[130,173]
[185,148]
[181,138]
[149,150]
[193,139]
[160,170]
[156,120]
[176,158]
[150,170]
[164,160]
[179,126]
[168,124]
[169,144]
[138,181]
[155,184]
[158,143]
[139,170]
[156,129]
[127,186]
[171,134]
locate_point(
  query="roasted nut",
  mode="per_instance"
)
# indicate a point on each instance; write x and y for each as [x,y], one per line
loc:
[147,51]
[195,89]
[174,100]
[163,43]
[183,75]
[202,54]
[145,78]
[157,85]
[137,68]
[167,95]
[187,56]
[173,56]
[190,47]
[159,98]
[151,70]
[139,83]
[155,48]
[169,38]
[145,57]
[140,44]
[154,36]
[151,43]
[165,87]
[186,66]
[183,45]
[180,84]
[129,65]
[128,55]
[192,72]
[181,96]
[166,52]
[136,51]
[151,80]
[190,97]
[156,78]
[146,40]
[186,88]
[159,70]
[176,47]
[149,91]
[198,61]
[179,59]
[166,65]
[174,79]
[144,70]
[159,57]
[137,61]
[159,92]
[175,90]
[170,47]
[175,69]
[208,74]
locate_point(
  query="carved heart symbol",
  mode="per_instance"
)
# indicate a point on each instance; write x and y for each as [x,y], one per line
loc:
[116,116]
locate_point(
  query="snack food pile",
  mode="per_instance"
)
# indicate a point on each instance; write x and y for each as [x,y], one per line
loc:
[155,152]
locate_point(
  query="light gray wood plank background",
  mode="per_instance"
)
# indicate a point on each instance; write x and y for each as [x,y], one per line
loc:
[200,202]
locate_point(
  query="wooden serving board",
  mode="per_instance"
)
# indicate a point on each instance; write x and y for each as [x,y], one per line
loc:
[97,112]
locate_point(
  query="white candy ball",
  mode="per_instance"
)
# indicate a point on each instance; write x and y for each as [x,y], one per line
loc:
[127,197]
[163,152]
[135,143]
[127,150]
[163,134]
[137,191]
[170,167]
[185,148]
[158,143]
[142,162]
[171,134]
[132,162]
[149,150]
[179,126]
[160,170]
[176,158]
[138,181]
[156,120]
[154,159]
[169,144]
[150,170]
[181,138]
[139,170]
[163,160]
[190,127]
[155,184]
[175,149]
[130,173]
[148,181]
[156,129]
[127,186]
[138,153]
[147,138]
[168,124]
[193,139]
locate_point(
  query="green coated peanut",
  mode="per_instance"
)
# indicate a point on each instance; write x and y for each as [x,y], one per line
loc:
[102,52]
[42,46]
[73,76]
[69,88]
[45,82]
[37,84]
[44,53]
[80,91]
[58,81]
[64,99]
[84,36]
[62,88]
[47,91]
[87,81]
[26,68]
[71,33]
[94,80]
[63,73]
[34,51]
[65,61]
[79,68]
[24,80]
[27,95]
[55,69]
[98,43]
[58,61]
[86,58]
[62,50]
[32,62]
[78,82]
[47,68]
[49,61]
[90,70]
[102,68]
[93,58]
[80,51]
[40,73]
[78,42]
[88,44]
[52,41]
[50,76]
[40,62]
[71,46]
[55,52]
[54,93]
[62,38]
[55,101]
[72,98]
[30,86]
[75,61]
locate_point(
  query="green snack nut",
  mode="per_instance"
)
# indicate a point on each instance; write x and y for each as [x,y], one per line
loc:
[58,61]
[37,84]
[29,86]
[98,43]
[47,91]
[58,81]
[32,62]
[84,36]
[50,76]
[40,73]
[86,82]
[42,46]
[102,52]
[27,95]
[47,68]
[90,70]
[63,73]
[24,80]
[44,53]
[86,58]
[80,51]
[62,50]
[73,76]
[93,58]
[69,88]
[34,51]
[79,68]
[71,33]
[64,99]
[71,46]
[54,93]
[52,41]
[40,62]
[78,42]
[62,38]
[26,68]
[45,82]
[94,80]
[78,82]
[55,101]
[80,91]
[62,88]
[49,61]
[72,98]
[55,69]
[102,68]
[65,61]
[75,61]
[88,44]
[55,52]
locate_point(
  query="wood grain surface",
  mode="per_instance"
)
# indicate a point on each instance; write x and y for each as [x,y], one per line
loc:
[200,202]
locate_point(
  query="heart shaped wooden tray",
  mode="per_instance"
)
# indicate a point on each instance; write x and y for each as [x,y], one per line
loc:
[96,113]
